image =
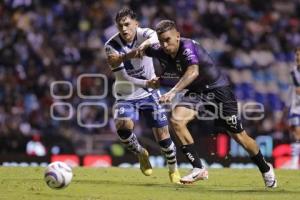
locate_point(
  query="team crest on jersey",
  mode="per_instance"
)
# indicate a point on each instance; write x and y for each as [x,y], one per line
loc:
[178,66]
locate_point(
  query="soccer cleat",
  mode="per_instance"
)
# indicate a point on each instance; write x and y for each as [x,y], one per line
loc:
[195,175]
[269,178]
[174,177]
[145,164]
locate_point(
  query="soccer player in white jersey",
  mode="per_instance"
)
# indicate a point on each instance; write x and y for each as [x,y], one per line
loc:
[132,89]
[294,115]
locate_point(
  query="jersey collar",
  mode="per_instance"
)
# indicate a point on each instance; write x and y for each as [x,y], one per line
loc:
[126,44]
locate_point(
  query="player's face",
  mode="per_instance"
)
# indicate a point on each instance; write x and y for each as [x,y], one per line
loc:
[169,41]
[127,28]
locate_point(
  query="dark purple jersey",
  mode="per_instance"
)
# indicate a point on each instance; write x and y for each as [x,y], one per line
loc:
[190,53]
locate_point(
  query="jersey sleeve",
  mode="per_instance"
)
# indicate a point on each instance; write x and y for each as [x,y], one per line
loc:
[153,50]
[109,50]
[295,76]
[189,56]
[122,75]
[147,33]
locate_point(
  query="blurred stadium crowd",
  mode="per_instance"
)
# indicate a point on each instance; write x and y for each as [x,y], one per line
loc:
[42,41]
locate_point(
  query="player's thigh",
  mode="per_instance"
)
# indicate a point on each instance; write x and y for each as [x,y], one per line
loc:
[296,133]
[153,112]
[181,115]
[155,118]
[125,123]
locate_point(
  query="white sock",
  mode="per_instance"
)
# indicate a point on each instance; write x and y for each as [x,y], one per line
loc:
[170,154]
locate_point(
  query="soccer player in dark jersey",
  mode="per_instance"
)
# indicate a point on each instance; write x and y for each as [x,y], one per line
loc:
[207,85]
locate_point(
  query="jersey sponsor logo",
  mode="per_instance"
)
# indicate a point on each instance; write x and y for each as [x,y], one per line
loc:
[137,73]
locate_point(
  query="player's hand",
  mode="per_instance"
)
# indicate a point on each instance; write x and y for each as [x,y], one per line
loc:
[134,53]
[153,83]
[115,59]
[168,97]
[298,57]
[143,47]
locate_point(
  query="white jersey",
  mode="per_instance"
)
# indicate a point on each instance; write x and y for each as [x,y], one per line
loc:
[141,68]
[295,98]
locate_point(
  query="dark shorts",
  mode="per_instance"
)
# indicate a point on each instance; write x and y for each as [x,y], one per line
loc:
[218,104]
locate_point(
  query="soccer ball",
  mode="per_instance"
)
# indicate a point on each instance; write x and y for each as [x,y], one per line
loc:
[58,175]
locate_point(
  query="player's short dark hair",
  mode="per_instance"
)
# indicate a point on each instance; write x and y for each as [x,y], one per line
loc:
[125,12]
[164,26]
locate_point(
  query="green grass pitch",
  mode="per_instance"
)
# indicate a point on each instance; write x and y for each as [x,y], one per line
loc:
[130,184]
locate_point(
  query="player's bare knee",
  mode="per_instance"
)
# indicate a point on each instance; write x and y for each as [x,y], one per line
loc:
[177,124]
[297,133]
[124,124]
[161,133]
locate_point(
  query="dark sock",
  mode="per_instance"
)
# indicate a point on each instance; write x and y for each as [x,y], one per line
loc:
[124,133]
[191,154]
[259,160]
[165,143]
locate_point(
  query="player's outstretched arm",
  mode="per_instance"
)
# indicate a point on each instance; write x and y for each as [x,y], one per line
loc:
[145,45]
[189,76]
[134,53]
[122,74]
[115,59]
